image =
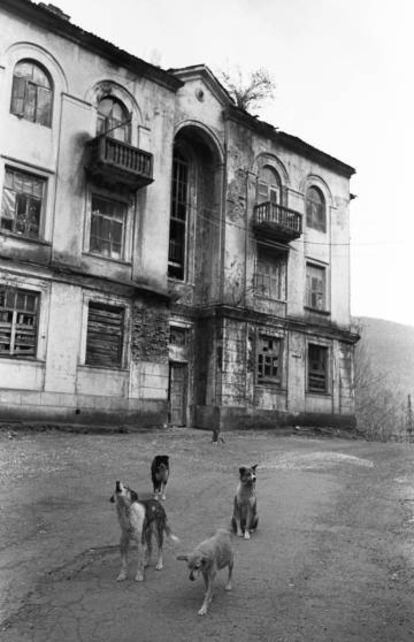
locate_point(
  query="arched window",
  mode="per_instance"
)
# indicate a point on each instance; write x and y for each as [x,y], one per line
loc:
[32,93]
[315,209]
[114,119]
[268,186]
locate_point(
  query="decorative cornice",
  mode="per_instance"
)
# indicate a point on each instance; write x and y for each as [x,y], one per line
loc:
[203,72]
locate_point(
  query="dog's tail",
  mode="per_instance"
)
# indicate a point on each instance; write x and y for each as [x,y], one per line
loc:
[170,534]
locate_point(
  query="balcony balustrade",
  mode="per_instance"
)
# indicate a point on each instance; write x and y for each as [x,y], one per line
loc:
[277,222]
[113,162]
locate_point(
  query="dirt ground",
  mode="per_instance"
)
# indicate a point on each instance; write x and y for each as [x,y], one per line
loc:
[332,559]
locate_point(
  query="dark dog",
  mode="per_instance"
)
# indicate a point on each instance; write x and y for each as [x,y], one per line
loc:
[244,520]
[139,520]
[160,471]
[211,556]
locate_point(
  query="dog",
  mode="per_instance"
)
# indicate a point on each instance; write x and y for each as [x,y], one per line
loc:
[210,556]
[245,519]
[160,471]
[140,520]
[217,436]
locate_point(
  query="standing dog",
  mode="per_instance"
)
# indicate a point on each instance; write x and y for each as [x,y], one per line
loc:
[245,519]
[211,556]
[139,521]
[160,471]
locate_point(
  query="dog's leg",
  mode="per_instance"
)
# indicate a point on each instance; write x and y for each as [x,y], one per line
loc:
[147,542]
[123,545]
[237,519]
[160,542]
[228,586]
[163,494]
[208,581]
[247,524]
[139,577]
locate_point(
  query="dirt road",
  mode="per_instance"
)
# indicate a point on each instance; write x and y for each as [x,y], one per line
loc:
[332,559]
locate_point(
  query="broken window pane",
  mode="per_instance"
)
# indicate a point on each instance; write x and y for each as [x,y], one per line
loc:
[22,203]
[18,322]
[269,351]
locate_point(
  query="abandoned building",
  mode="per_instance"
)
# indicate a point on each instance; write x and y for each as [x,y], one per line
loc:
[165,257]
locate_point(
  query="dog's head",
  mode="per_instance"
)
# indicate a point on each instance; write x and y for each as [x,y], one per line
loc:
[123,494]
[196,562]
[248,475]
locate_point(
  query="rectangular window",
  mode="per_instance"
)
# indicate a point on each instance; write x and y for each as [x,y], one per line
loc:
[317,368]
[315,287]
[105,335]
[270,274]
[269,360]
[178,218]
[178,336]
[23,196]
[19,313]
[108,221]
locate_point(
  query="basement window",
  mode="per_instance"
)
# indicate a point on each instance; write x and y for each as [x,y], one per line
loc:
[19,312]
[269,360]
[317,368]
[105,335]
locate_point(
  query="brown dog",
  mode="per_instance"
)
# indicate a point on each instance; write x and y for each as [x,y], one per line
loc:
[244,520]
[210,556]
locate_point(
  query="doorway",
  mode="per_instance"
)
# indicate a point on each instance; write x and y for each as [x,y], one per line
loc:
[177,393]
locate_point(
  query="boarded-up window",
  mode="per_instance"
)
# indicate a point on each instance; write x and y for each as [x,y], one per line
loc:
[317,368]
[108,222]
[32,93]
[105,334]
[19,311]
[315,286]
[269,360]
[270,273]
[21,207]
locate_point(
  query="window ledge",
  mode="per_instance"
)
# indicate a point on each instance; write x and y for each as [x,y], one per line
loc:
[27,239]
[89,366]
[107,258]
[32,360]
[325,313]
[319,393]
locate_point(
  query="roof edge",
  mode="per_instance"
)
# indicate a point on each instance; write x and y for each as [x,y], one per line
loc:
[66,29]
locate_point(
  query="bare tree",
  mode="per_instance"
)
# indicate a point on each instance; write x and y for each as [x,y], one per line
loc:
[248,90]
[379,407]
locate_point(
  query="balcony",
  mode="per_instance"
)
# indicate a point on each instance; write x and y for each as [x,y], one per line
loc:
[276,222]
[112,162]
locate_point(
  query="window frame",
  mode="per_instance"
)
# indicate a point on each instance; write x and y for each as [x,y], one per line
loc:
[180,201]
[263,379]
[106,125]
[315,372]
[14,329]
[314,220]
[11,169]
[105,306]
[310,292]
[127,206]
[279,260]
[31,91]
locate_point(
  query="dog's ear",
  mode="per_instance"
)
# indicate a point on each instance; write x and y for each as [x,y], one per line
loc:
[134,496]
[242,470]
[183,557]
[112,499]
[254,467]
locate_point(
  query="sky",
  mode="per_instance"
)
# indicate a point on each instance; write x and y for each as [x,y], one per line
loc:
[344,83]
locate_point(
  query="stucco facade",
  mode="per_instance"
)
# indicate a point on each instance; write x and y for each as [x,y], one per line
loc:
[164,256]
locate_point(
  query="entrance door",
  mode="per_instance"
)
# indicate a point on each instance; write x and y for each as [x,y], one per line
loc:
[177,393]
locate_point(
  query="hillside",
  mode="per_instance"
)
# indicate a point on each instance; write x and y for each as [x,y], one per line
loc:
[390,347]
